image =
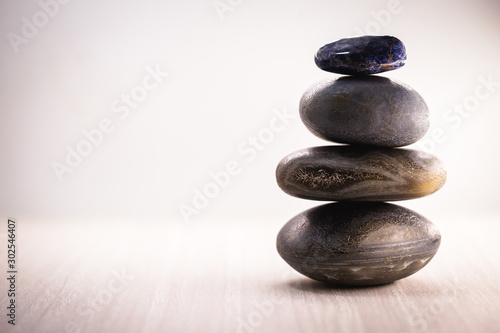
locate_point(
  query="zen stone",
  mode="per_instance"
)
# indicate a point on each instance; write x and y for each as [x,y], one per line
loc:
[362,55]
[358,173]
[358,244]
[365,110]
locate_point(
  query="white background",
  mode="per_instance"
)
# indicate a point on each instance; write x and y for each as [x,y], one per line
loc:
[227,72]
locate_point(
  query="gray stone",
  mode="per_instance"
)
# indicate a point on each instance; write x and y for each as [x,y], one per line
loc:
[358,244]
[366,110]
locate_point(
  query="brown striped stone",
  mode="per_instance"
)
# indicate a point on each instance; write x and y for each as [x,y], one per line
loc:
[336,173]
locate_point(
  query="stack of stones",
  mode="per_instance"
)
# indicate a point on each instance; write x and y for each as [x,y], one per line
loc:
[361,240]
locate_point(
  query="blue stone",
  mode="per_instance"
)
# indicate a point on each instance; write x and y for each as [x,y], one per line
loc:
[362,55]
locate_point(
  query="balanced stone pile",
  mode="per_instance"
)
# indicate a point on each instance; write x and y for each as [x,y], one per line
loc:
[361,240]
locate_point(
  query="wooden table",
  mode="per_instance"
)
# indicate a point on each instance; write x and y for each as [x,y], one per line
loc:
[223,274]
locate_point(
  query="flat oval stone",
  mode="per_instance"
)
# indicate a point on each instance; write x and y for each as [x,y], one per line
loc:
[365,110]
[359,173]
[362,55]
[358,244]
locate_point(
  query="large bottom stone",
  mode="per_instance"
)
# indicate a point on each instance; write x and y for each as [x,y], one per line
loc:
[358,244]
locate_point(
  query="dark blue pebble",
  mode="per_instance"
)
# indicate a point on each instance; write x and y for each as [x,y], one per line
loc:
[362,55]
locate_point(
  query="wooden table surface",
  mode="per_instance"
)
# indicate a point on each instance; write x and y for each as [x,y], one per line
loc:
[223,274]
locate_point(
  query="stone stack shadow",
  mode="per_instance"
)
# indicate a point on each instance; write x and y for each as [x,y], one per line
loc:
[360,239]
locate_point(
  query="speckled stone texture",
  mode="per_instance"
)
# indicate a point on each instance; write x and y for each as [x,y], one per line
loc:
[358,244]
[359,173]
[362,55]
[365,110]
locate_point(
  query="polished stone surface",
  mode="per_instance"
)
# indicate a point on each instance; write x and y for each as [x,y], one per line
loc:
[362,55]
[368,110]
[360,173]
[358,244]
